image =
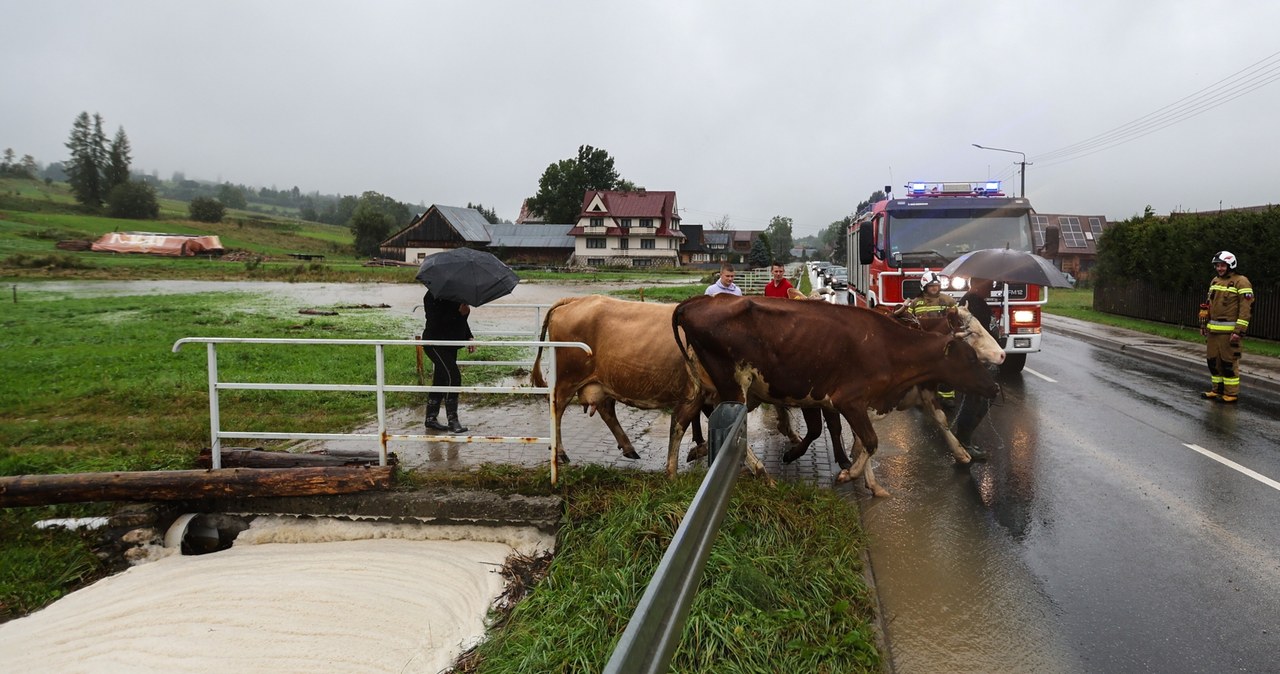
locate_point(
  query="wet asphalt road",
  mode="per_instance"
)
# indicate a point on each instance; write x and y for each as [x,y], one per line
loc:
[1095,539]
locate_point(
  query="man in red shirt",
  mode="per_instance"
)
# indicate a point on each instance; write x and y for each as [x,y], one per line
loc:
[779,286]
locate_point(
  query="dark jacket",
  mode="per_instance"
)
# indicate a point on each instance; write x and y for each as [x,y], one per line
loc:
[443,320]
[977,305]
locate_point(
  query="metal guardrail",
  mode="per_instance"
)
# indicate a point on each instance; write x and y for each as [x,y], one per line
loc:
[380,388]
[653,633]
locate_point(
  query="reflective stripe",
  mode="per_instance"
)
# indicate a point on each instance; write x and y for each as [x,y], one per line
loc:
[1222,326]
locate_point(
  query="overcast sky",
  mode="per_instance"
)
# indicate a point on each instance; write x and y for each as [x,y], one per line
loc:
[745,109]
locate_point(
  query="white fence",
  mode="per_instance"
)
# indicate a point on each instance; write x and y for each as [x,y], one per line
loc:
[380,387]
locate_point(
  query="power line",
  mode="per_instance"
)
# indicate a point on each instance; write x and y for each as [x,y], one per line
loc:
[1240,83]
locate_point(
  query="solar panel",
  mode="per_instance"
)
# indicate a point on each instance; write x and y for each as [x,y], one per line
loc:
[1038,223]
[1072,235]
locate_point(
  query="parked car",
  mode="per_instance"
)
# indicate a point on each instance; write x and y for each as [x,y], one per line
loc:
[1070,278]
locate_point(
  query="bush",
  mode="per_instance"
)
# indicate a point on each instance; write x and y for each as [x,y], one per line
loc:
[132,200]
[205,209]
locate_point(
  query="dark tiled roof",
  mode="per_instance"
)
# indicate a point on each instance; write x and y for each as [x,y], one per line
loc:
[531,236]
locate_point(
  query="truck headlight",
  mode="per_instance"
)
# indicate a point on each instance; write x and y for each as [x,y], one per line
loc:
[1024,316]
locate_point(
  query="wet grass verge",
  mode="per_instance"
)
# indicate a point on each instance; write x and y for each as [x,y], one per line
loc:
[783,589]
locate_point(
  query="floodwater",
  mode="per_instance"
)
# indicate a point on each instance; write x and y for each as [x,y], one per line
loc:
[324,594]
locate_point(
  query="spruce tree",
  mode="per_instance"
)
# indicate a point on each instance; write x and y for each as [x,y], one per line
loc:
[116,171]
[81,169]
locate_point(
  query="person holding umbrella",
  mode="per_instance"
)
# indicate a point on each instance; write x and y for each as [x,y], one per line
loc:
[973,409]
[456,280]
[446,319]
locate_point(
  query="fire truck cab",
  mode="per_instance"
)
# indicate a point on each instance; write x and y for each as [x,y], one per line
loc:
[897,239]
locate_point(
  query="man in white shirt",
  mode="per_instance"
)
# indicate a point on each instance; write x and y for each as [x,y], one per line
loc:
[724,284]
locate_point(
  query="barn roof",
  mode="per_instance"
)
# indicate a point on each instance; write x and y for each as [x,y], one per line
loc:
[531,236]
[467,222]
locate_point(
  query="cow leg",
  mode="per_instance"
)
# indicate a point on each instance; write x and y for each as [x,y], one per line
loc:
[813,430]
[594,395]
[784,427]
[699,449]
[860,423]
[561,395]
[684,414]
[756,466]
[929,404]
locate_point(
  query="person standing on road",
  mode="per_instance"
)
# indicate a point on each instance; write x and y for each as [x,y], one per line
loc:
[972,408]
[1224,318]
[724,285]
[931,303]
[778,286]
[446,320]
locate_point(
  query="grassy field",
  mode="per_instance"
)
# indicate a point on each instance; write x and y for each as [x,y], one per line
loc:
[91,385]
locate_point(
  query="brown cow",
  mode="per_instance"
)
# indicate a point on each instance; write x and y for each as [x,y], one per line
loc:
[634,361]
[801,354]
[957,321]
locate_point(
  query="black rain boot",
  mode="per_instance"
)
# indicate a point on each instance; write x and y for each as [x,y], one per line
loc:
[451,412]
[433,415]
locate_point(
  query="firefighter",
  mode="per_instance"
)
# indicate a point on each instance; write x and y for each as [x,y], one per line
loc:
[931,304]
[1224,318]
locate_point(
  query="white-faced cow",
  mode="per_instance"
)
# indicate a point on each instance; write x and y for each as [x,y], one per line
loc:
[633,361]
[842,359]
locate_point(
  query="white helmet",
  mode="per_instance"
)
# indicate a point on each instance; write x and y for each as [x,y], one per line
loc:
[931,277]
[1225,257]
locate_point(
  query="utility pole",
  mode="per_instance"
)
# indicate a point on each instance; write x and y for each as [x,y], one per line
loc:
[1022,165]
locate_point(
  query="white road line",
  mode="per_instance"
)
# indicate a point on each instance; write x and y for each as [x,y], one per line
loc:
[1048,379]
[1232,464]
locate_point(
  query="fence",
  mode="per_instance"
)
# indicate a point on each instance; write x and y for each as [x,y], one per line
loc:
[380,388]
[1139,299]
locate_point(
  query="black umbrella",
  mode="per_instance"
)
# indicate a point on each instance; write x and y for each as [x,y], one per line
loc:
[1004,265]
[468,276]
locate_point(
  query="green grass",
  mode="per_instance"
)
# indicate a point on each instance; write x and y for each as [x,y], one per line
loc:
[782,591]
[1078,303]
[92,385]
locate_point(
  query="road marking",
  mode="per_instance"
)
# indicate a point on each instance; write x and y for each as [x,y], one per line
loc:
[1048,379]
[1232,464]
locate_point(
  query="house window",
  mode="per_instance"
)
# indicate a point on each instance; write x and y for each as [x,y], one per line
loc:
[648,244]
[595,242]
[624,243]
[642,262]
[597,222]
[595,262]
[625,223]
[646,222]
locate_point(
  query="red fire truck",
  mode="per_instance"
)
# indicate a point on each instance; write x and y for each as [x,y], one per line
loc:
[897,239]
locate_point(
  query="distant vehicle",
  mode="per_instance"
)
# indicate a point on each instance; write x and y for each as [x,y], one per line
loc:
[1070,279]
[839,279]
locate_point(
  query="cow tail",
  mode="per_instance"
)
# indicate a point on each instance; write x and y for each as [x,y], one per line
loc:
[536,375]
[675,330]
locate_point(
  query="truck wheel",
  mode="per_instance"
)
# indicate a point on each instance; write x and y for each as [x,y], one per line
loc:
[1013,363]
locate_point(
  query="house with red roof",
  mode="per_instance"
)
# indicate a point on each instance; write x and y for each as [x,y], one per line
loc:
[638,228]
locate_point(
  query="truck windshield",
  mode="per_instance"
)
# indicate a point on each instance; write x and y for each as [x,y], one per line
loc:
[938,236]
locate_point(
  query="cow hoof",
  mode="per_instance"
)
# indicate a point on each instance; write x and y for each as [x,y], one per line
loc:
[630,454]
[562,458]
[698,452]
[843,477]
[791,456]
[881,492]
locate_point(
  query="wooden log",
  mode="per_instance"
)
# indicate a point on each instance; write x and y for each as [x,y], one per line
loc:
[244,457]
[182,485]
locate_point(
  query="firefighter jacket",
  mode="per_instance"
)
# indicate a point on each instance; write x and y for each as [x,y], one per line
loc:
[930,307]
[1230,304]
